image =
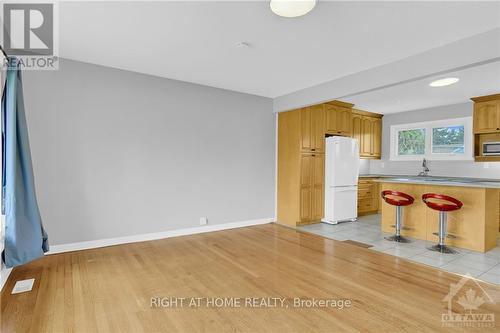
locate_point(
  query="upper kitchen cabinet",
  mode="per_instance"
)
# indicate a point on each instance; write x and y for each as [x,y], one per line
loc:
[312,129]
[377,138]
[487,114]
[486,126]
[338,118]
[366,143]
[367,129]
[357,129]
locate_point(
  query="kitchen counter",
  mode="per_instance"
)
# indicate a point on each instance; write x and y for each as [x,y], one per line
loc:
[370,175]
[446,181]
[475,226]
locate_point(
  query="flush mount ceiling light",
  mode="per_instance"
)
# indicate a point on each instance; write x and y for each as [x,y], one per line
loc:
[292,8]
[444,82]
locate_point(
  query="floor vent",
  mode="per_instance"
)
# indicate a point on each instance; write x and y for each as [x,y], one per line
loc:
[22,286]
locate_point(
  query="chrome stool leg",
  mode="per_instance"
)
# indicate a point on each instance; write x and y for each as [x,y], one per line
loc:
[441,247]
[397,237]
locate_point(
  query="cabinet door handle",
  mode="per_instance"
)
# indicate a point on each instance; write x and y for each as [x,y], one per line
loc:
[313,149]
[313,155]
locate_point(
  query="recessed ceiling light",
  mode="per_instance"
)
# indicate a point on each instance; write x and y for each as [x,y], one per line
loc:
[292,8]
[444,82]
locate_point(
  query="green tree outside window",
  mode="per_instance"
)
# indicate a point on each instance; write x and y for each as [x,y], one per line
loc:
[411,142]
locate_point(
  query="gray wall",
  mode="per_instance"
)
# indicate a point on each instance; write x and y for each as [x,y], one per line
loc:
[438,168]
[117,153]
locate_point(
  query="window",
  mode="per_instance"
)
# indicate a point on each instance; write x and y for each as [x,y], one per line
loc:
[446,140]
[411,142]
[449,139]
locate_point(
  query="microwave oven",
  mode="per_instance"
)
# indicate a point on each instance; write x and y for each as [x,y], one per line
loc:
[491,148]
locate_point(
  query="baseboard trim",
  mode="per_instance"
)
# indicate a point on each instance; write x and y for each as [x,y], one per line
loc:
[54,249]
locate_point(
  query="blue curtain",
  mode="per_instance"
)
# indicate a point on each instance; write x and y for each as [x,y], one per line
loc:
[25,238]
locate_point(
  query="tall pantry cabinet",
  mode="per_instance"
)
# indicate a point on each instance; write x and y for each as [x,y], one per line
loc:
[301,160]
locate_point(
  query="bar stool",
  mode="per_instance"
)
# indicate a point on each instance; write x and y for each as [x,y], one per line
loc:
[398,199]
[449,204]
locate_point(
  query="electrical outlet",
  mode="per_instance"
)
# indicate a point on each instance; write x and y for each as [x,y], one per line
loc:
[203,220]
[486,165]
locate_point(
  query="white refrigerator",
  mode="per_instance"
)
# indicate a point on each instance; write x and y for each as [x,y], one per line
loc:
[341,179]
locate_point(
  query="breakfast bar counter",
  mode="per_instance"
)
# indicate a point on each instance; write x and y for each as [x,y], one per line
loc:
[475,226]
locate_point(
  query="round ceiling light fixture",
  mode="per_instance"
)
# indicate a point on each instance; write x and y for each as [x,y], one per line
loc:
[444,82]
[292,8]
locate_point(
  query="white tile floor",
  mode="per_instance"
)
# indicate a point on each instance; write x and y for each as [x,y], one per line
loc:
[484,266]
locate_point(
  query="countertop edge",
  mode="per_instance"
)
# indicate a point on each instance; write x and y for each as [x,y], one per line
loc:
[443,183]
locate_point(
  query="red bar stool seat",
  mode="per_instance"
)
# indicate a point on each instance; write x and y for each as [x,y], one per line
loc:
[398,199]
[443,205]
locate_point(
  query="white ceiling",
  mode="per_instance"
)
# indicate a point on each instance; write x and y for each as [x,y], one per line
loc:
[476,81]
[195,41]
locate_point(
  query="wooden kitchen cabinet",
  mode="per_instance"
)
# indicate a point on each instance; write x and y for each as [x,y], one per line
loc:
[376,150]
[305,124]
[487,116]
[311,187]
[312,129]
[306,187]
[301,159]
[486,125]
[357,124]
[368,196]
[367,129]
[301,163]
[318,201]
[365,146]
[338,118]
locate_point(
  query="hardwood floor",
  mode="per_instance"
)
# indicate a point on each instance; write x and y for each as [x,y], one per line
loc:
[110,289]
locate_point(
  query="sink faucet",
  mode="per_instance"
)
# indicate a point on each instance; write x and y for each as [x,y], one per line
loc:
[426,169]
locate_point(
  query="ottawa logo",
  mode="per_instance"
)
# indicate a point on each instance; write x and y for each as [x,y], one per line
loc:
[464,301]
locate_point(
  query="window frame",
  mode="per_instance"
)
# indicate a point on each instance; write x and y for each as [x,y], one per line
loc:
[466,122]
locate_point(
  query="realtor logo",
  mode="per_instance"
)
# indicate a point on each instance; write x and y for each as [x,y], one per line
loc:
[29,34]
[464,301]
[29,28]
